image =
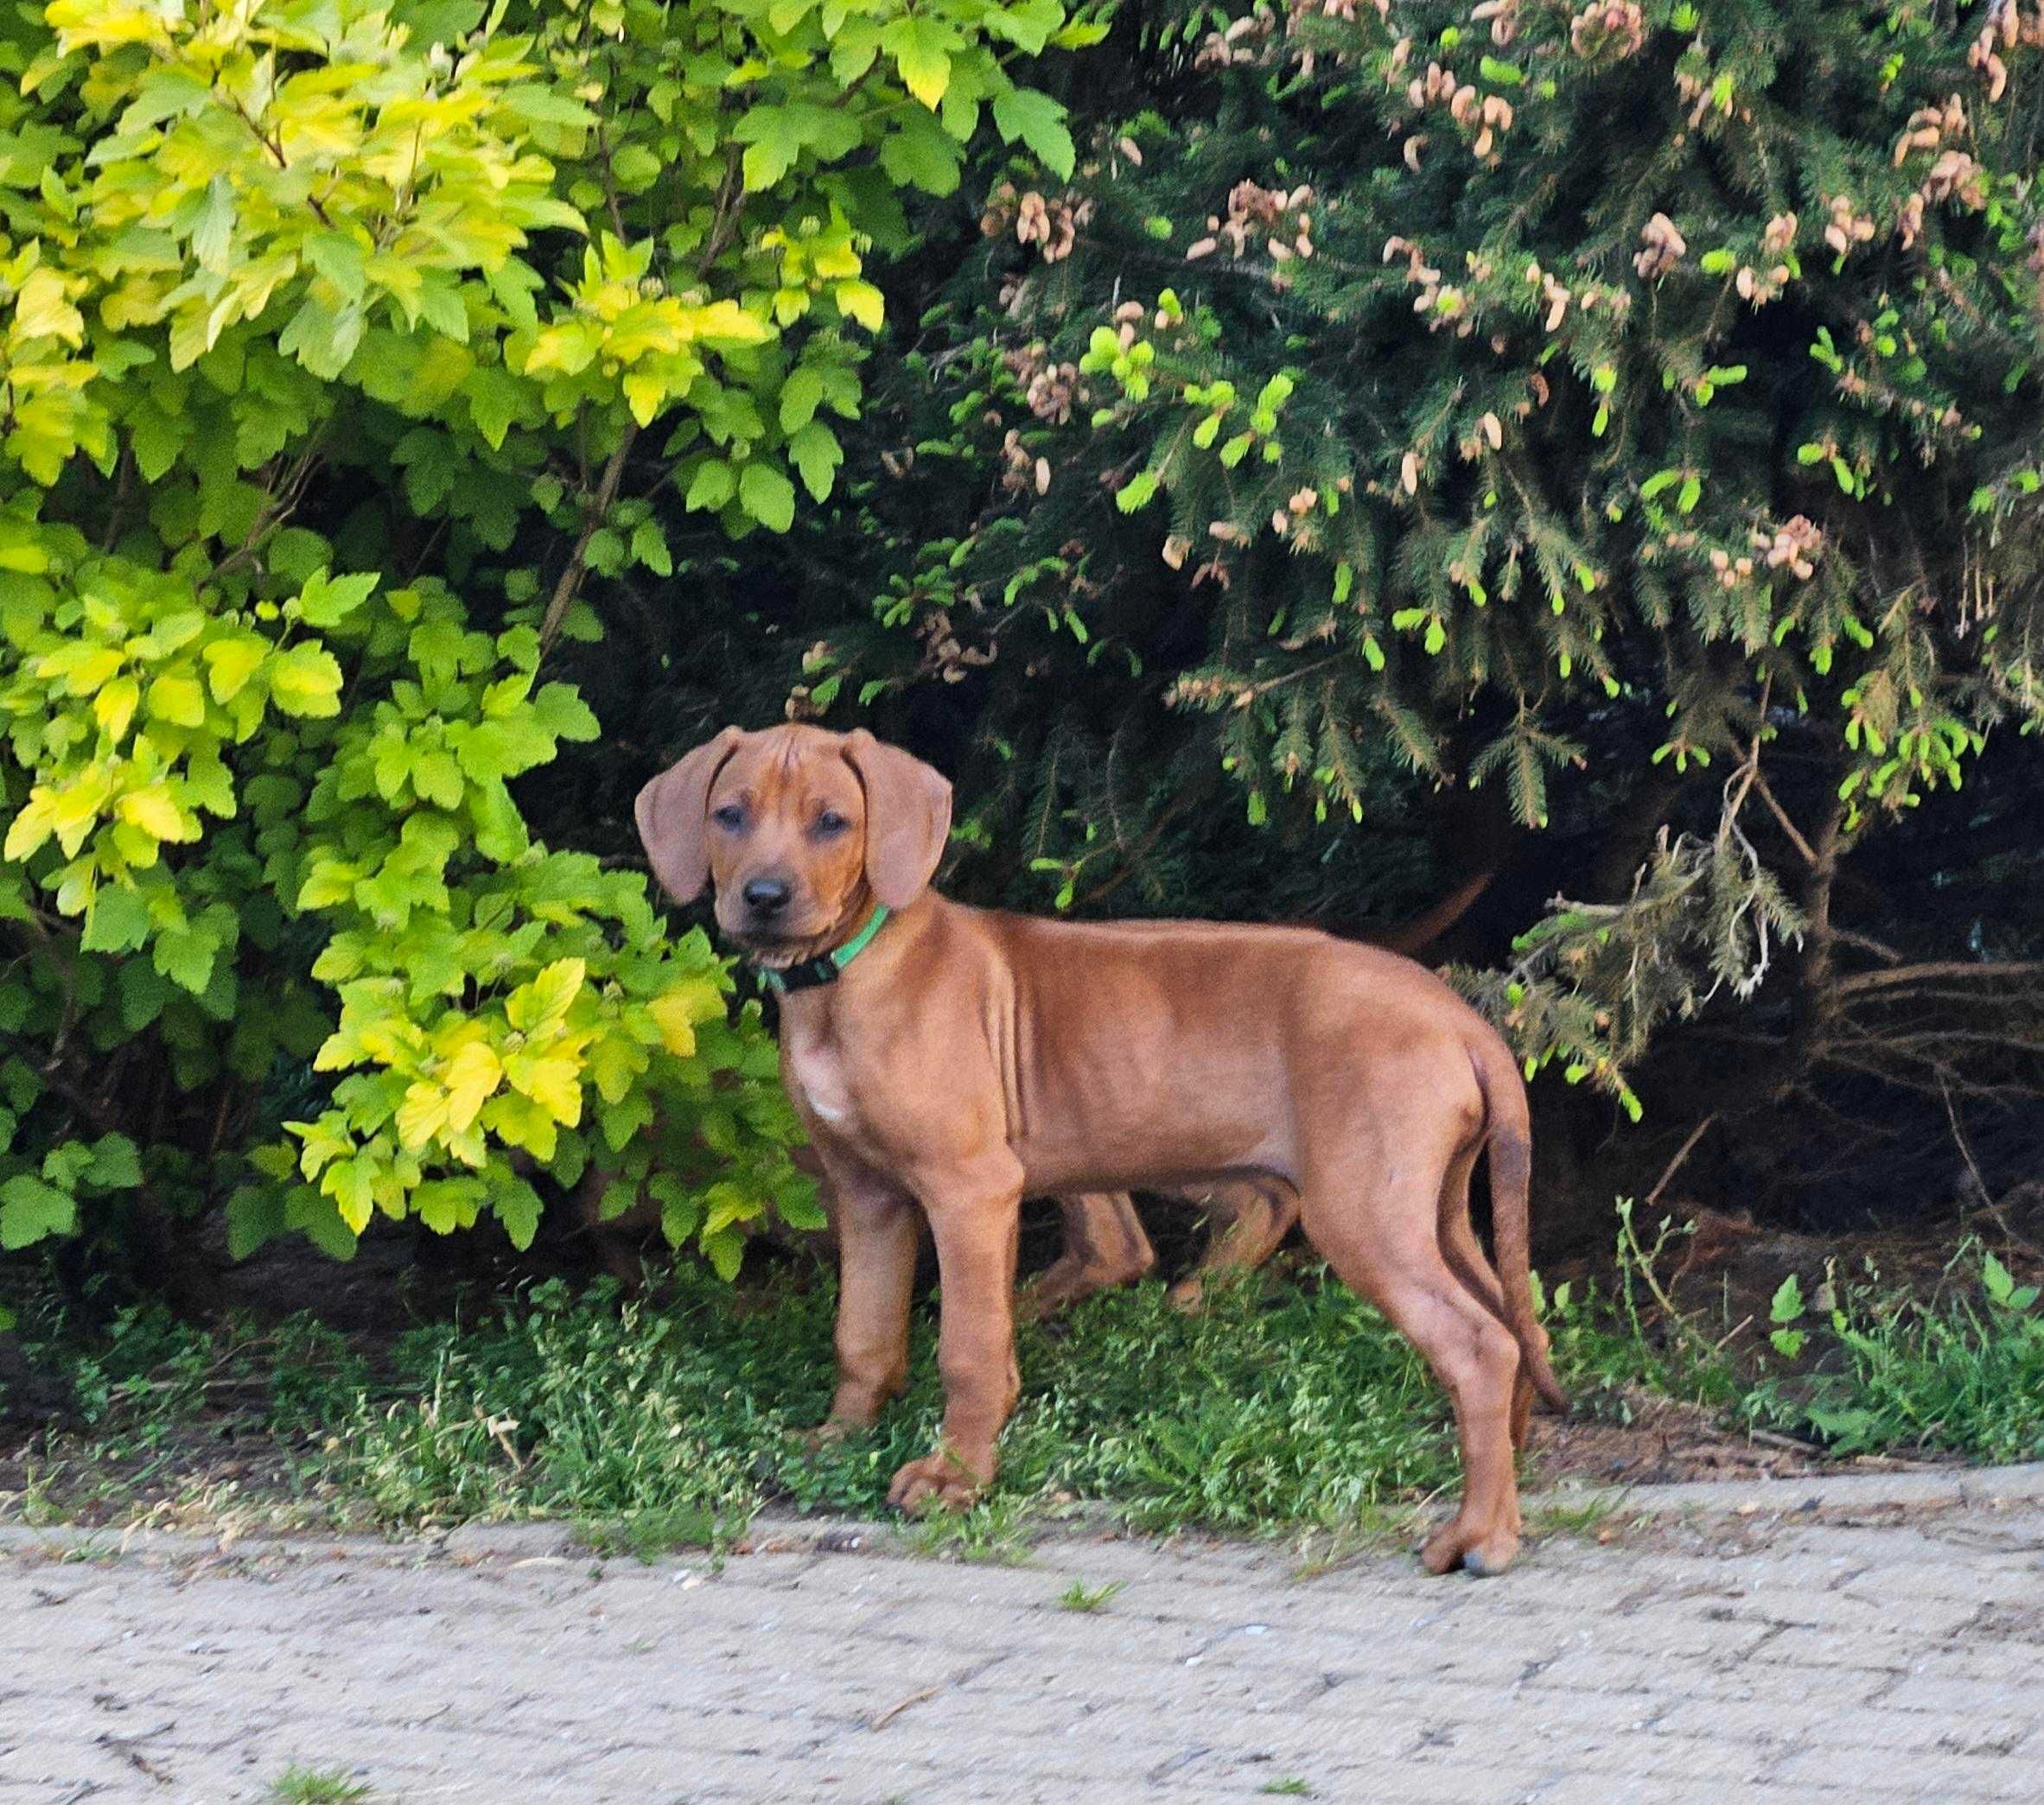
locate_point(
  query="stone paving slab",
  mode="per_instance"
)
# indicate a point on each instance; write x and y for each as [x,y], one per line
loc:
[1835,1639]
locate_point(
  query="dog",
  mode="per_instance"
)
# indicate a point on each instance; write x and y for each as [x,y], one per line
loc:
[946,1060]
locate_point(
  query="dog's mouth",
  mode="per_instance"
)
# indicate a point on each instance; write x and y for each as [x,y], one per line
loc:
[773,950]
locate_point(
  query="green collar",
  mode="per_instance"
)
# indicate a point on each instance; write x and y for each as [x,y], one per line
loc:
[823,970]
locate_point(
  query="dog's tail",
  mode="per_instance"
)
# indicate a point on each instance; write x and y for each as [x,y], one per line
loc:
[1511,1144]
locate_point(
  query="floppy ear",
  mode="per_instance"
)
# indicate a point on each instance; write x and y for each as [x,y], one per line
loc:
[908,818]
[671,811]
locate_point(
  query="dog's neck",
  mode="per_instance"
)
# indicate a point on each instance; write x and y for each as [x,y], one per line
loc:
[883,965]
[784,978]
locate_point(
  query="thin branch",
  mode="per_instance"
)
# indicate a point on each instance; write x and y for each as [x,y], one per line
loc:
[1682,1152]
[1868,943]
[1969,970]
[1788,827]
[564,590]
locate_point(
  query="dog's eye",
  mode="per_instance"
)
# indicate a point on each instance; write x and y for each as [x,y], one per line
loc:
[830,821]
[730,815]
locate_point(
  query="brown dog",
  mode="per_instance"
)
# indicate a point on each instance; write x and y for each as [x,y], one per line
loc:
[946,1060]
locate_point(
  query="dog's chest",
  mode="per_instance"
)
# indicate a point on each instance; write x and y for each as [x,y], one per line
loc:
[816,1071]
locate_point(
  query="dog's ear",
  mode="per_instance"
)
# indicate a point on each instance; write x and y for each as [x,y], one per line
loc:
[908,818]
[672,813]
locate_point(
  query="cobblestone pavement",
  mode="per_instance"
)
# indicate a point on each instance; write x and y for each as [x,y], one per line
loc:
[1805,1650]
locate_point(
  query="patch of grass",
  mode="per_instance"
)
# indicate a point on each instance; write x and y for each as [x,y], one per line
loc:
[1081,1596]
[316,1786]
[1581,1519]
[1627,1335]
[1292,1787]
[995,1532]
[647,1534]
[1870,1366]
[1285,1408]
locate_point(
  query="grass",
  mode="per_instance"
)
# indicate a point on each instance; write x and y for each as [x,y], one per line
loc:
[1961,1371]
[1288,1407]
[1086,1600]
[316,1786]
[1862,1366]
[657,1425]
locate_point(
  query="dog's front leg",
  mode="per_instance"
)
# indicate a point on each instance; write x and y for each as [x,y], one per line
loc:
[975,1217]
[878,1229]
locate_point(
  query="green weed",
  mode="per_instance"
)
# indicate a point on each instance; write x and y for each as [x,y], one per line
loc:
[316,1786]
[1081,1596]
[1626,1333]
[1960,1372]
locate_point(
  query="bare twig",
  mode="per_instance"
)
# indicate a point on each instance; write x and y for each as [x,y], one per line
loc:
[1683,1153]
[564,590]
[1867,943]
[1966,970]
[882,1719]
[1788,827]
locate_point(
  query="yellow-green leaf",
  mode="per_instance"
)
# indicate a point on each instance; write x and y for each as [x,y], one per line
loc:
[549,1081]
[422,1115]
[305,680]
[152,811]
[470,1077]
[543,1002]
[230,663]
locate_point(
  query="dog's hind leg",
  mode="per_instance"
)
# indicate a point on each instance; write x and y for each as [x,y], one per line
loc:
[1468,1261]
[1104,1246]
[1260,1215]
[1374,1216]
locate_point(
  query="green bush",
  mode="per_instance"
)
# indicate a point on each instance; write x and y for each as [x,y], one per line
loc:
[341,344]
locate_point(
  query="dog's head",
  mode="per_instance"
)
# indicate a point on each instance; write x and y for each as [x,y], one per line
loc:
[800,830]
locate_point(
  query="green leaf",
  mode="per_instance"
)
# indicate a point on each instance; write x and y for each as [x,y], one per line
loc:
[117,921]
[1996,1278]
[255,1215]
[1787,1303]
[31,1211]
[766,494]
[306,681]
[517,1206]
[186,958]
[814,451]
[800,396]
[1038,122]
[115,1165]
[921,153]
[713,484]
[325,601]
[178,698]
[543,1002]
[921,49]
[230,663]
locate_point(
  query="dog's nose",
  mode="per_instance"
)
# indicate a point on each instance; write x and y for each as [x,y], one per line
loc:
[766,896]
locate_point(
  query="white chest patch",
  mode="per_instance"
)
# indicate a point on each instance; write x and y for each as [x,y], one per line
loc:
[820,1073]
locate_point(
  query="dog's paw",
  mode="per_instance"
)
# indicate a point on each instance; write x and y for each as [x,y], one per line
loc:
[1482,1551]
[938,1481]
